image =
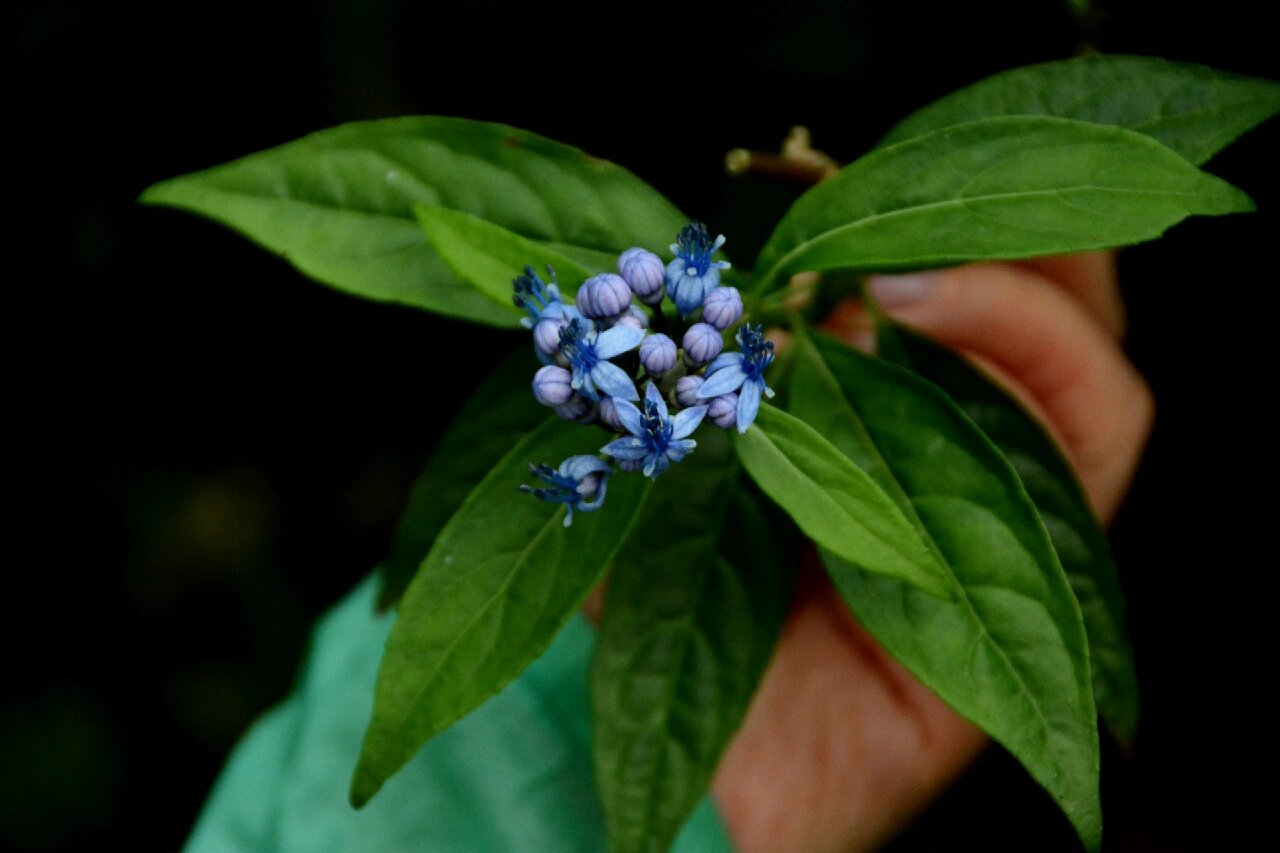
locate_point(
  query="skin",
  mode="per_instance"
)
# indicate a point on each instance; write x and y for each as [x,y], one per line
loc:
[842,746]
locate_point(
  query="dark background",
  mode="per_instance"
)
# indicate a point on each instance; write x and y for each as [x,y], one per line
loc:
[209,450]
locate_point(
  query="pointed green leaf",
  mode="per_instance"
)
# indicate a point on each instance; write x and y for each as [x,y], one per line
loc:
[1077,536]
[1194,110]
[501,580]
[995,188]
[500,412]
[695,604]
[834,501]
[338,204]
[1008,650]
[488,256]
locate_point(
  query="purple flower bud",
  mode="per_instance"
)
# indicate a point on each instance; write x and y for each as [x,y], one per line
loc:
[722,307]
[589,487]
[701,344]
[609,415]
[657,354]
[643,272]
[687,391]
[723,410]
[551,385]
[578,409]
[546,334]
[603,296]
[631,465]
[634,318]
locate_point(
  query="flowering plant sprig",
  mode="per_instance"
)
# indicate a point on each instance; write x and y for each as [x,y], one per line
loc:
[589,373]
[898,467]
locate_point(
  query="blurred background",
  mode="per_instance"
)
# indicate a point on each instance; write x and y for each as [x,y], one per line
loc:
[212,450]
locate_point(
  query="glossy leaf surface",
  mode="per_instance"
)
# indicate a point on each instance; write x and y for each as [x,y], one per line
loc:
[834,502]
[338,204]
[996,188]
[502,578]
[488,256]
[489,424]
[1193,110]
[695,603]
[1008,650]
[1077,536]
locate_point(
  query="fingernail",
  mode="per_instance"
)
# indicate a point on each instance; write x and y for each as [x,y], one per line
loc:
[894,291]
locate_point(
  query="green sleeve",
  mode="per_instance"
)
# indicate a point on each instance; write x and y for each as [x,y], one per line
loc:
[514,775]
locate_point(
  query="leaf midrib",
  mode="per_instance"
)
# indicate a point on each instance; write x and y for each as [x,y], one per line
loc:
[879,460]
[707,543]
[537,538]
[874,218]
[329,206]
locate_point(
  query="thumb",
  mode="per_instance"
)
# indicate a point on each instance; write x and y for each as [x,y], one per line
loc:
[1049,347]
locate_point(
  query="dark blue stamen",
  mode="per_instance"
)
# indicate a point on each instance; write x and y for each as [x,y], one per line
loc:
[562,489]
[657,430]
[756,351]
[532,293]
[574,347]
[694,245]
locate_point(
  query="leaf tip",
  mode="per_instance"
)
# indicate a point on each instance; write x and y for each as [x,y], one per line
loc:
[156,194]
[364,785]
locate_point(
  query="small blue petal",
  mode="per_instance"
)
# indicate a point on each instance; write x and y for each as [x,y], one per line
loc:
[577,467]
[629,416]
[683,424]
[626,448]
[723,381]
[678,450]
[618,340]
[723,360]
[653,395]
[614,381]
[748,404]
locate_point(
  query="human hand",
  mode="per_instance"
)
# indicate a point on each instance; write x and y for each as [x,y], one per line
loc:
[842,746]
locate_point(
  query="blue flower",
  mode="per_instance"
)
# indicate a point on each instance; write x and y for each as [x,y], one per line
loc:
[539,299]
[656,439]
[589,352]
[744,370]
[693,274]
[579,484]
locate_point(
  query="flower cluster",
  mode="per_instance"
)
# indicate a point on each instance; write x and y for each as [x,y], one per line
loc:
[601,350]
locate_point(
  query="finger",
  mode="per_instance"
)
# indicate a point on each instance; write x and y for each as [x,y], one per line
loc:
[1047,343]
[1091,278]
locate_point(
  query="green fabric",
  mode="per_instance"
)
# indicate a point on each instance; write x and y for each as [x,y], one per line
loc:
[513,775]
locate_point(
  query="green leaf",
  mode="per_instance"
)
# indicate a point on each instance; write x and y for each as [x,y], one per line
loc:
[502,578]
[996,188]
[834,502]
[500,412]
[488,256]
[1194,110]
[687,634]
[339,204]
[1008,650]
[1077,536]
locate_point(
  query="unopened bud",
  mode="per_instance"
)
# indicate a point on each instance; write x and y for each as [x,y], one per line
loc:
[546,334]
[608,414]
[722,307]
[723,411]
[701,344]
[658,354]
[551,385]
[603,296]
[643,272]
[687,391]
